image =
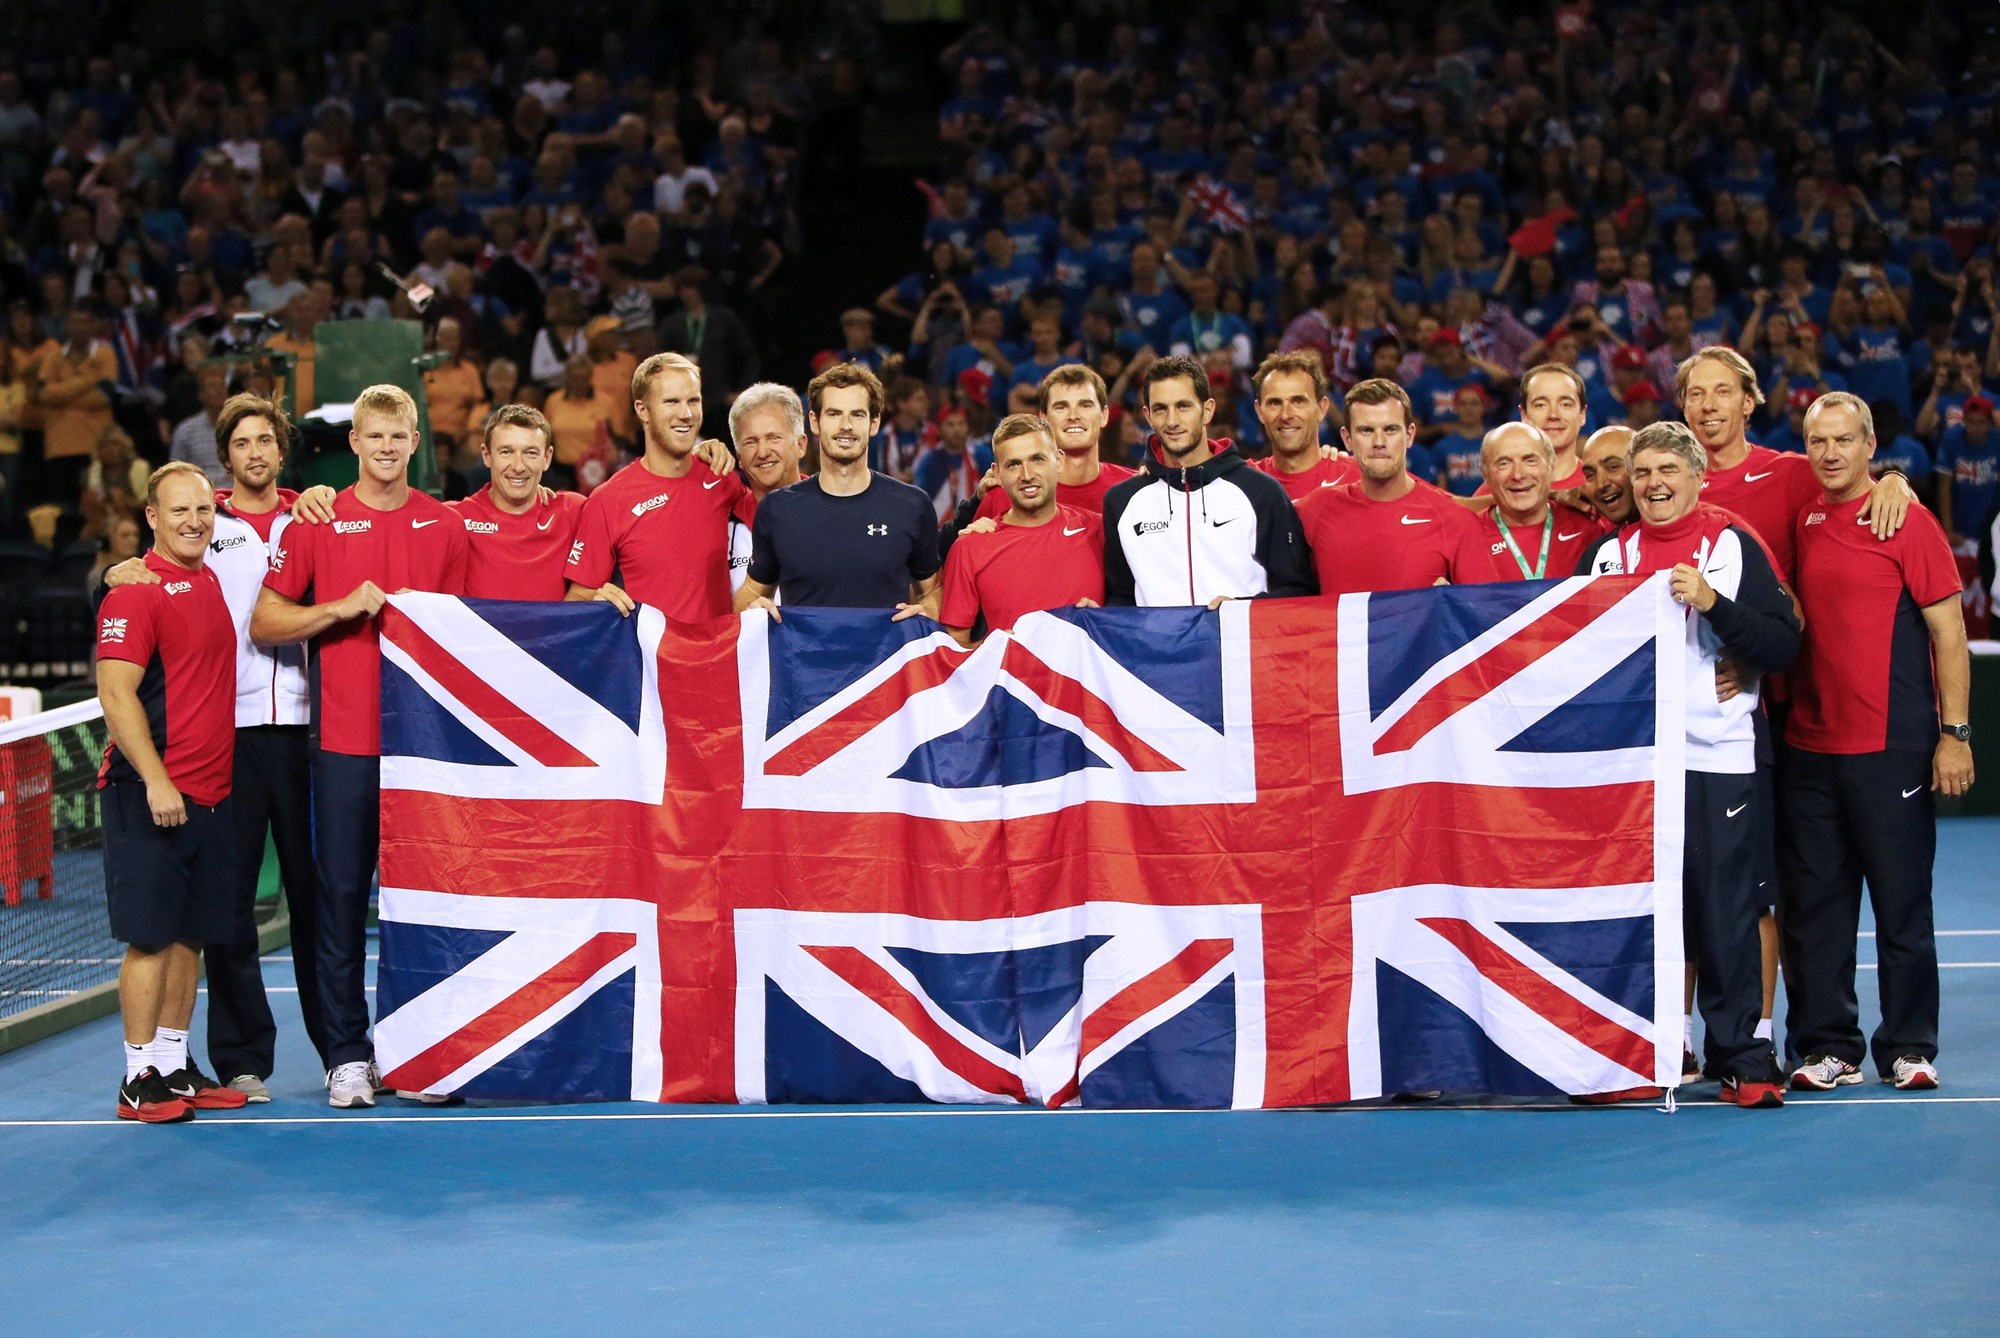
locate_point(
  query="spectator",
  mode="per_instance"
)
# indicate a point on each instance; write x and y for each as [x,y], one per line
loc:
[579,417]
[122,541]
[194,436]
[559,340]
[717,339]
[74,395]
[857,334]
[453,389]
[1968,467]
[114,485]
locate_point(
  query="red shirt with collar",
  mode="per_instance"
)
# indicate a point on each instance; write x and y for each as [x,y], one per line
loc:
[1080,497]
[1768,490]
[1324,473]
[418,546]
[1570,537]
[668,539]
[180,634]
[1864,681]
[1363,545]
[260,521]
[1016,570]
[521,556]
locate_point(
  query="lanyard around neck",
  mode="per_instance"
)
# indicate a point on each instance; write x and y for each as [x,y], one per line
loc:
[1507,535]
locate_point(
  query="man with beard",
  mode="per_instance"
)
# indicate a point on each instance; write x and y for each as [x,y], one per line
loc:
[1735,601]
[1386,530]
[847,537]
[1041,555]
[1291,404]
[1074,402]
[1528,537]
[1607,485]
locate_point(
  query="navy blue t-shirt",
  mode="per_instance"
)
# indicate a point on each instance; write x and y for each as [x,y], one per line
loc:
[859,552]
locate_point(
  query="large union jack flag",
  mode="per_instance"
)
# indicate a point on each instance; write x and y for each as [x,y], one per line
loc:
[1290,852]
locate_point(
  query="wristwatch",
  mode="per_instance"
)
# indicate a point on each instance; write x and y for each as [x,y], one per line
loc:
[1963,733]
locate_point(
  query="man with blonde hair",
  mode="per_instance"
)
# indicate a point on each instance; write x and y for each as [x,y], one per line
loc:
[661,522]
[385,536]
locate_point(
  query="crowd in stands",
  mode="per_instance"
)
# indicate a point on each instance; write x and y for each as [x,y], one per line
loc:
[554,203]
[1612,188]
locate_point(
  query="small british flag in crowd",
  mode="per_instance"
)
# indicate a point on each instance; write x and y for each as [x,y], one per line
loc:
[1289,852]
[1219,205]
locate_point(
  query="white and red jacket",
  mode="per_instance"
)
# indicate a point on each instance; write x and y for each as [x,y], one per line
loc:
[270,680]
[1177,536]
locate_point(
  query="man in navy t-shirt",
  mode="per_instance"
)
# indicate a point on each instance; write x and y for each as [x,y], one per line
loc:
[847,537]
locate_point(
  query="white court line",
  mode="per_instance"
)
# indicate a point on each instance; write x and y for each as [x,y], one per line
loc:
[995,1112]
[1951,933]
[1942,966]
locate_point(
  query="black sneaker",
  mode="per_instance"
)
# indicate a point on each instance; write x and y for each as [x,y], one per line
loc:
[145,1098]
[202,1092]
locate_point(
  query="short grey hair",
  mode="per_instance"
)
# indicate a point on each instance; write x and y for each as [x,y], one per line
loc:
[1674,438]
[767,395]
[1840,399]
[1541,439]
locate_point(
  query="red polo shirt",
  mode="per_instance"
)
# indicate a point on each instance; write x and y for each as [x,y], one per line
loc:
[518,556]
[1864,682]
[1358,544]
[1324,473]
[1080,497]
[418,546]
[1570,537]
[668,539]
[180,634]
[1769,490]
[1021,569]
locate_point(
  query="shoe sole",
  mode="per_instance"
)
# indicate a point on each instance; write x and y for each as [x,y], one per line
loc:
[142,1116]
[1801,1083]
[1923,1082]
[1771,1100]
[210,1101]
[357,1103]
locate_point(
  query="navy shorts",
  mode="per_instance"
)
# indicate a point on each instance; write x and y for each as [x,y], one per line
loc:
[167,884]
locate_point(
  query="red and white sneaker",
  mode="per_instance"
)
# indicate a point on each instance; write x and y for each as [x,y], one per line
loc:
[1751,1095]
[144,1097]
[1912,1073]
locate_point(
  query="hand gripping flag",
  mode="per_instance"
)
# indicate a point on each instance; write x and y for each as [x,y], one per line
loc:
[1291,852]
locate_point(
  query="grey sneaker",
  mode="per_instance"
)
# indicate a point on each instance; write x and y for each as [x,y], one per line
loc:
[348,1088]
[1823,1073]
[1912,1073]
[252,1087]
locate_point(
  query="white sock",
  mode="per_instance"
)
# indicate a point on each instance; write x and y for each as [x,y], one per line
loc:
[136,1059]
[170,1050]
[1687,1030]
[1763,1032]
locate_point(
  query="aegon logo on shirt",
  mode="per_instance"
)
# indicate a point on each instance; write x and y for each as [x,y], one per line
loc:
[352,526]
[1816,518]
[482,527]
[179,587]
[1148,526]
[224,545]
[652,504]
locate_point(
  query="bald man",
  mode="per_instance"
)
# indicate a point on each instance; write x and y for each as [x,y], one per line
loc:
[1604,460]
[1526,536]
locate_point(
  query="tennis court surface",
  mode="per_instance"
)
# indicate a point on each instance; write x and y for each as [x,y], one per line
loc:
[1863,1210]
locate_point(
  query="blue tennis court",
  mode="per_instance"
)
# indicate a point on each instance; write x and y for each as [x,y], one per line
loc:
[1860,1210]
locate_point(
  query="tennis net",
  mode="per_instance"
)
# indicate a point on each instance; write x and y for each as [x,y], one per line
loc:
[55,939]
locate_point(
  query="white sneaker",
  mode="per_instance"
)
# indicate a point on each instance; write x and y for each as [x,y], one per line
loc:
[1823,1073]
[252,1087]
[348,1088]
[1913,1073]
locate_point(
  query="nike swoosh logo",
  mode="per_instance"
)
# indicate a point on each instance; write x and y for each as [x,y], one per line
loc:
[706,486]
[1078,530]
[187,1091]
[1328,483]
[419,524]
[1908,793]
[1565,538]
[1218,524]
[1752,478]
[545,524]
[1734,811]
[1418,520]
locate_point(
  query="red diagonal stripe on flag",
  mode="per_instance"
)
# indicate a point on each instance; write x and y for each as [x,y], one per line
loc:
[496,1024]
[1141,997]
[1501,662]
[858,717]
[1615,1042]
[484,700]
[1066,694]
[868,976]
